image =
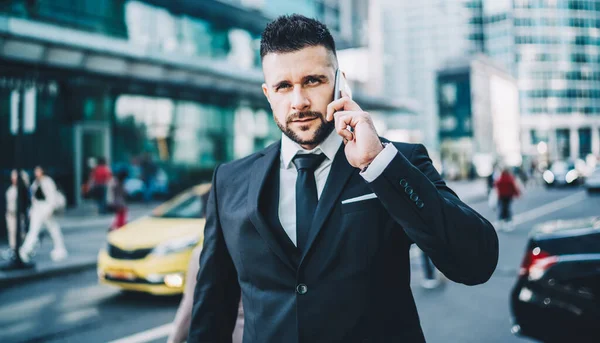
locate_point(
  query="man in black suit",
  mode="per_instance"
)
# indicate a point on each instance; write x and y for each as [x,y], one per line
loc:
[314,231]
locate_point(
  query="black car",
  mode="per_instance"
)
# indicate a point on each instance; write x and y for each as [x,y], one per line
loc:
[557,295]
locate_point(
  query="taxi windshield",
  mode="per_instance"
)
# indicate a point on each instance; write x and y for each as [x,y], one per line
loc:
[190,206]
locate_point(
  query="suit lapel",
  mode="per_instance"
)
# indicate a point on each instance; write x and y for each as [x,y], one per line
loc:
[339,174]
[258,177]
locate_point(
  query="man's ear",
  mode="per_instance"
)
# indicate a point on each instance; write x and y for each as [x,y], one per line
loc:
[266,92]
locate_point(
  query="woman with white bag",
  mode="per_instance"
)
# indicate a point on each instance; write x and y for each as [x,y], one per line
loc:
[45,199]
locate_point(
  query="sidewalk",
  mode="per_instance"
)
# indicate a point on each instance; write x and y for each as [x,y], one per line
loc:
[470,191]
[84,233]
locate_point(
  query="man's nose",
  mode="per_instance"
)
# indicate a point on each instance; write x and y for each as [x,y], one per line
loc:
[300,101]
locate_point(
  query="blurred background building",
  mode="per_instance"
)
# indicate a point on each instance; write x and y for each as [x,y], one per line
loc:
[479,120]
[551,47]
[420,37]
[178,81]
[557,62]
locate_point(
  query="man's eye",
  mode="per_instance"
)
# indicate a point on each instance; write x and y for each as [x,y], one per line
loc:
[312,81]
[283,86]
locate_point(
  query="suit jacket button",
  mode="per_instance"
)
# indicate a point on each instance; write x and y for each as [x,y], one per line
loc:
[414,197]
[408,190]
[403,183]
[420,204]
[301,289]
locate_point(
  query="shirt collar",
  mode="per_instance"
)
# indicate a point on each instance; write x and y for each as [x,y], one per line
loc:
[289,148]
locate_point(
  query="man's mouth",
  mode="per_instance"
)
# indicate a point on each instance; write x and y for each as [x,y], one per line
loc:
[304,120]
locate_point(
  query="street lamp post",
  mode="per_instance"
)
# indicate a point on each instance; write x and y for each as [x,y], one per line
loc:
[16,262]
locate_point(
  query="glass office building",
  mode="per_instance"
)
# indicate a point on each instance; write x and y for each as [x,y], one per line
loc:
[176,81]
[557,61]
[421,37]
[552,47]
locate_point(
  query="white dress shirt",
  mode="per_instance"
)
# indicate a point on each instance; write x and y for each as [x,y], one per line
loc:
[288,174]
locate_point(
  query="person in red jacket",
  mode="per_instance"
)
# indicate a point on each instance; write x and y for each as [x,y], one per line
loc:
[507,189]
[99,179]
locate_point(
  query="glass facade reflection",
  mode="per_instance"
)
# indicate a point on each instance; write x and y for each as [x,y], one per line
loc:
[185,137]
[557,62]
[183,34]
[558,56]
[136,22]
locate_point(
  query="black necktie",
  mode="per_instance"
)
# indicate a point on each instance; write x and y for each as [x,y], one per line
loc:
[306,195]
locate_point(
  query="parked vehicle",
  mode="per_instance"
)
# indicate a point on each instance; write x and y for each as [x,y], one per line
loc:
[151,254]
[592,182]
[562,173]
[557,295]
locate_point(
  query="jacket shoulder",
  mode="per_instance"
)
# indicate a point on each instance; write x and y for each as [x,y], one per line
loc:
[244,164]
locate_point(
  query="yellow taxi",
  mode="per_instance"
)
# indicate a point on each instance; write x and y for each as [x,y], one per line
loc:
[151,254]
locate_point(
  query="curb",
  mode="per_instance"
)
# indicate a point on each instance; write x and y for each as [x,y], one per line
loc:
[35,274]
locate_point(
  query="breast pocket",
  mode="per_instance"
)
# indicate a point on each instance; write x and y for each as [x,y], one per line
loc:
[362,227]
[372,205]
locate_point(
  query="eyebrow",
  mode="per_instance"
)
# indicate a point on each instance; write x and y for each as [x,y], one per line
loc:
[320,77]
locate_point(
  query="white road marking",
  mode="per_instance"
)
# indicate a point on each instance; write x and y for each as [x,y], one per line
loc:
[537,212]
[148,335]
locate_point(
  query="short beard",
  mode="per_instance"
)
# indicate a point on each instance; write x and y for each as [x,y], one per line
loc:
[320,135]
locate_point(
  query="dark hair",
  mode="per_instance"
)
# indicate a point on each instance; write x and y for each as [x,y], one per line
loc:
[290,33]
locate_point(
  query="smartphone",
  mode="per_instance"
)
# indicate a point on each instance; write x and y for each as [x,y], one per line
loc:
[339,85]
[337,90]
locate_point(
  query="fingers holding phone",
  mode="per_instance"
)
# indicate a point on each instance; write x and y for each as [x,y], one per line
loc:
[353,124]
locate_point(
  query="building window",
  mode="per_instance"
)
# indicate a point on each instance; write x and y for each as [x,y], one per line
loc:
[538,136]
[563,143]
[585,142]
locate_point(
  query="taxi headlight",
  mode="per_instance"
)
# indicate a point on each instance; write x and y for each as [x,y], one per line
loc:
[175,245]
[174,280]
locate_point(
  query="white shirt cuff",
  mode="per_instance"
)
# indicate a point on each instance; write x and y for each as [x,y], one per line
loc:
[380,162]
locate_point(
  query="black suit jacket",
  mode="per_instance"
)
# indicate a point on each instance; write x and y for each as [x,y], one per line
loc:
[352,283]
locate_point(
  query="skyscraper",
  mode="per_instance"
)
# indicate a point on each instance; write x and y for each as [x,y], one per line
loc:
[420,36]
[557,63]
[552,47]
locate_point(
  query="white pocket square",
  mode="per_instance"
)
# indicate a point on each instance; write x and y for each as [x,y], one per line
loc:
[360,198]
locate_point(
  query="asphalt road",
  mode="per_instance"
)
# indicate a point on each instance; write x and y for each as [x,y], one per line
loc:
[74,308]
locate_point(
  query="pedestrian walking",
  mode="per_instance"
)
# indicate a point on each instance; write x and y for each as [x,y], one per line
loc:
[507,189]
[44,201]
[11,206]
[98,184]
[148,174]
[327,260]
[431,278]
[117,199]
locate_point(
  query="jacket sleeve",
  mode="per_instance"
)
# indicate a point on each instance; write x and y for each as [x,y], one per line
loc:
[461,243]
[217,292]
